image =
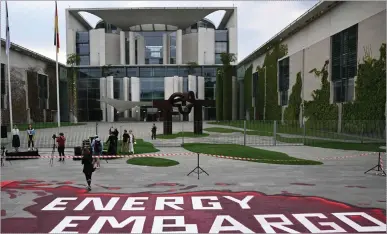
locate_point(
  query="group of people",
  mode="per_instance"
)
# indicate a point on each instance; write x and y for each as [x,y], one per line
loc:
[16,138]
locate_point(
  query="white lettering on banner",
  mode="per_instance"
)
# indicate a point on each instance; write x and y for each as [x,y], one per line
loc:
[158,225]
[236,226]
[242,203]
[58,202]
[197,203]
[66,223]
[131,201]
[161,202]
[267,226]
[302,218]
[97,203]
[138,225]
[380,227]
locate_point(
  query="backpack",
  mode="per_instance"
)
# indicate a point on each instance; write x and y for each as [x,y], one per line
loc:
[97,146]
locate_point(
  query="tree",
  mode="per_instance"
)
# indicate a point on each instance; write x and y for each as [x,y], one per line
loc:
[227,73]
[72,61]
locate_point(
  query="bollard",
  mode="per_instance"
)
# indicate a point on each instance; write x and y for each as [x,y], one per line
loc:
[275,133]
[244,132]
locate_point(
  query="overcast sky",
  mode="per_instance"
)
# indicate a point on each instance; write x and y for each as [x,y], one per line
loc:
[32,22]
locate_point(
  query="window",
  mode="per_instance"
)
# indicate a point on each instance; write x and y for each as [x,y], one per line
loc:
[283,80]
[116,72]
[82,37]
[218,59]
[117,88]
[344,63]
[127,60]
[159,71]
[84,60]
[83,49]
[221,35]
[145,71]
[284,98]
[132,72]
[220,47]
[209,71]
[42,91]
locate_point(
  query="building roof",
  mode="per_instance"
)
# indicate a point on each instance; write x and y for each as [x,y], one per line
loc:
[318,10]
[29,53]
[124,18]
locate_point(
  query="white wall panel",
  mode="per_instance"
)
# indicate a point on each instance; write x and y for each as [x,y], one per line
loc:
[135,93]
[179,45]
[125,93]
[206,46]
[132,49]
[122,48]
[190,48]
[97,47]
[102,93]
[110,94]
[113,53]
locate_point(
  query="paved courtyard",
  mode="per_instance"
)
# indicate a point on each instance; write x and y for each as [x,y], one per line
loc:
[239,195]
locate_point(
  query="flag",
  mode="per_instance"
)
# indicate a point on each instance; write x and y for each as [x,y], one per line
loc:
[56,33]
[8,39]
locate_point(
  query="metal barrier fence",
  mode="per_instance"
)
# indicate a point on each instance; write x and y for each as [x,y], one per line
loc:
[250,133]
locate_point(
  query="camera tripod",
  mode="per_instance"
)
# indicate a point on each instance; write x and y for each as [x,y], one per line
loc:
[198,170]
[378,167]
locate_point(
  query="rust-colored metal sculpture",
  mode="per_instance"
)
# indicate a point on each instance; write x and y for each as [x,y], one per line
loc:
[184,103]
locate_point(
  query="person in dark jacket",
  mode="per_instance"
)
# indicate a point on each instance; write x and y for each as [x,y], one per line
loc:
[116,132]
[154,129]
[112,149]
[88,166]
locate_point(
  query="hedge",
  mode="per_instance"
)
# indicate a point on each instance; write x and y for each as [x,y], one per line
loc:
[247,83]
[319,112]
[292,112]
[219,95]
[227,92]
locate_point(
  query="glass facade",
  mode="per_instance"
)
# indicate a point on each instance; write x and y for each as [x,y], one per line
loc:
[151,85]
[221,44]
[83,48]
[153,47]
[172,48]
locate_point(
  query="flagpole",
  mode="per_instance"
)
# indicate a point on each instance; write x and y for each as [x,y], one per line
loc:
[57,89]
[9,80]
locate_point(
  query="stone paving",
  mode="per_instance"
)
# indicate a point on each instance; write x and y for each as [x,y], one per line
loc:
[338,179]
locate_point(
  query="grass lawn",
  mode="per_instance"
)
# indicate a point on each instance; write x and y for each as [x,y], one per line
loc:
[266,129]
[181,134]
[142,147]
[232,150]
[23,127]
[152,162]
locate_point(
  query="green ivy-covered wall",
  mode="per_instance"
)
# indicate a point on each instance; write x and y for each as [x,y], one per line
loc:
[367,112]
[292,112]
[247,82]
[319,112]
[273,110]
[227,92]
[219,94]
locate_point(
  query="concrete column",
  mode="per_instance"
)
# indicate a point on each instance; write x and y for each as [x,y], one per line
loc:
[141,50]
[165,48]
[180,79]
[97,47]
[179,47]
[125,93]
[135,93]
[233,42]
[168,87]
[122,48]
[110,94]
[234,98]
[132,49]
[102,93]
[175,84]
[192,87]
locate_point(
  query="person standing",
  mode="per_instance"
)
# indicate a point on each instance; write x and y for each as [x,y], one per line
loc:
[61,140]
[154,129]
[15,138]
[31,136]
[125,142]
[88,166]
[132,142]
[116,135]
[97,148]
[112,149]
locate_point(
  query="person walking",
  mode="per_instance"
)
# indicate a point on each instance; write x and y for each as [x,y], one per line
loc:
[97,148]
[15,138]
[31,136]
[61,140]
[125,142]
[88,166]
[132,142]
[154,129]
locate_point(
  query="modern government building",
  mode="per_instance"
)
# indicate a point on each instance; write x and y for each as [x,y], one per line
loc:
[145,54]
